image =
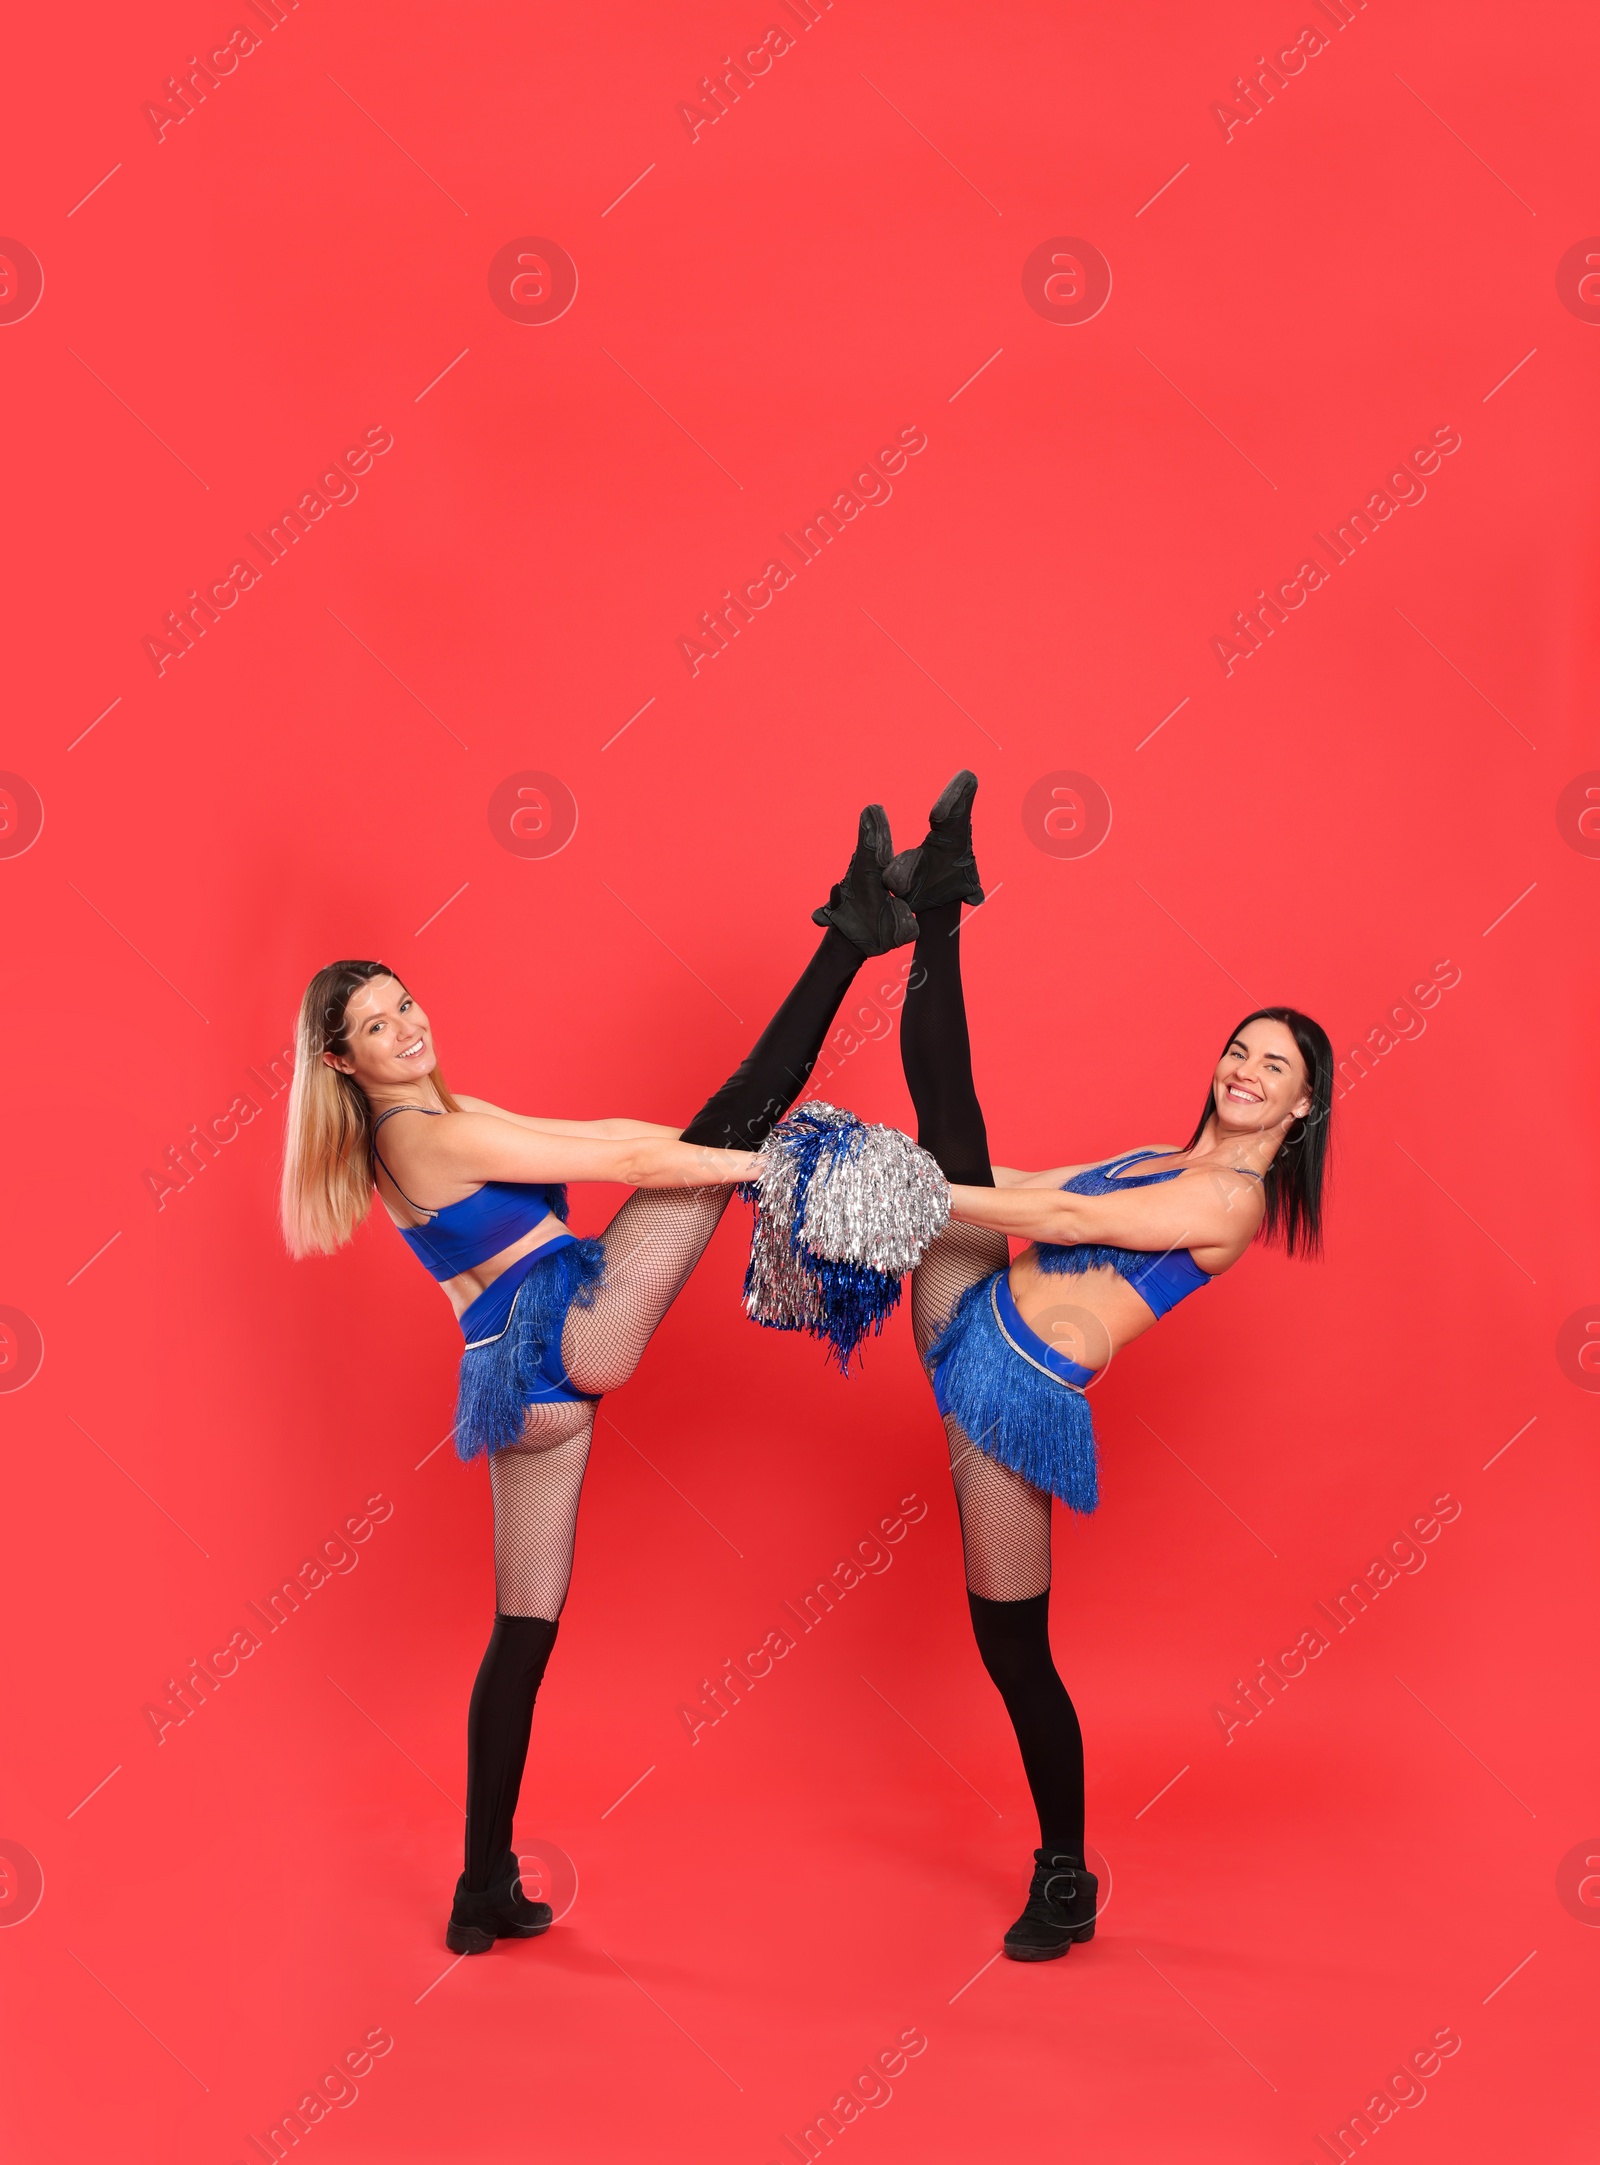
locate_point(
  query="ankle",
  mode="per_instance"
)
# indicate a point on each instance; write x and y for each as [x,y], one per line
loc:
[939,922]
[841,950]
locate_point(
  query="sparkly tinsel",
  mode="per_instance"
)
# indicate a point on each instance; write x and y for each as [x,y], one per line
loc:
[843,1211]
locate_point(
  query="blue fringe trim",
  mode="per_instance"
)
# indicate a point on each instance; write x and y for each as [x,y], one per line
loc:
[1008,1409]
[1072,1262]
[501,1380]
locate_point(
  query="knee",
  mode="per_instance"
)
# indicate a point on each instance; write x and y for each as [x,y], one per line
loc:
[593,1362]
[547,1428]
[601,1373]
[531,1446]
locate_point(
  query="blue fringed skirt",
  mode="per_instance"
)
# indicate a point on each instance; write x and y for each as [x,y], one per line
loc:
[513,1334]
[1015,1396]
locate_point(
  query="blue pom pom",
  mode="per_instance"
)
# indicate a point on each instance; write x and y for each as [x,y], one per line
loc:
[856,1301]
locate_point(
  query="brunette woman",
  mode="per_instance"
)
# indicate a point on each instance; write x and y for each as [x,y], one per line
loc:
[1010,1352]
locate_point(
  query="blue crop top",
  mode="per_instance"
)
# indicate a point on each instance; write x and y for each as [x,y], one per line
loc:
[1160,1281]
[466,1233]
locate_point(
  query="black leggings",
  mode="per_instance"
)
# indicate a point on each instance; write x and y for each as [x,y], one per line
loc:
[651,1245]
[1005,1521]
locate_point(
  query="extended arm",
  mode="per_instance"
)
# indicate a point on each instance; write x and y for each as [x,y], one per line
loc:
[1219,1210]
[610,1131]
[465,1149]
[1055,1176]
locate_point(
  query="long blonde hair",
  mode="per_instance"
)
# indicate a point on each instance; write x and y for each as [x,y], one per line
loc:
[327,1170]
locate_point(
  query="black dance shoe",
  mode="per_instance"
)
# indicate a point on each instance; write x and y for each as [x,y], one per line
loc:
[861,906]
[944,868]
[1060,1909]
[501,1911]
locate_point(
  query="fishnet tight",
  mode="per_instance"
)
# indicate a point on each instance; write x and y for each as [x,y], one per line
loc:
[652,1244]
[1005,1520]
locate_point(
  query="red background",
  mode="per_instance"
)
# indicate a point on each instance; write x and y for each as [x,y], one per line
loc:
[1372,257]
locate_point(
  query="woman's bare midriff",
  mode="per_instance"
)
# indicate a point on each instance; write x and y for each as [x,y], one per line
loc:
[1086,1317]
[463,1289]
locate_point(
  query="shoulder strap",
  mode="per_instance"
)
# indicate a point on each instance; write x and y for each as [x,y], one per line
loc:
[383,1161]
[1114,1167]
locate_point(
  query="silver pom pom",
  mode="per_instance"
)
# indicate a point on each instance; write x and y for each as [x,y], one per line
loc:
[778,1290]
[875,1199]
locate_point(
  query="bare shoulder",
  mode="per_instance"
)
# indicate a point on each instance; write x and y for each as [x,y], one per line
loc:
[480,1109]
[440,1135]
[1234,1216]
[483,1110]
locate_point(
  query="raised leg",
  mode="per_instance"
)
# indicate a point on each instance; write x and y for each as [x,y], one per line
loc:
[1005,1521]
[862,918]
[652,1244]
[936,1052]
[755,1097]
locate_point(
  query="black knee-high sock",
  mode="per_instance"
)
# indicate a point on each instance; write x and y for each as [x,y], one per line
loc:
[760,1091]
[936,1053]
[499,1720]
[1014,1639]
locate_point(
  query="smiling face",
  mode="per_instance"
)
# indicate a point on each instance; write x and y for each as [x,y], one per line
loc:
[388,1046]
[1260,1084]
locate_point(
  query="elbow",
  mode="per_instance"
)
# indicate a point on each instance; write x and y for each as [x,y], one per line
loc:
[1063,1222]
[652,1161]
[635,1165]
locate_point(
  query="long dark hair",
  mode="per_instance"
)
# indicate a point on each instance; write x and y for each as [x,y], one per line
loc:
[1293,1183]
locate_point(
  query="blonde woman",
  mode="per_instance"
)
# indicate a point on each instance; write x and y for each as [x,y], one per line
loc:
[549,1321]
